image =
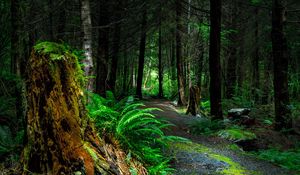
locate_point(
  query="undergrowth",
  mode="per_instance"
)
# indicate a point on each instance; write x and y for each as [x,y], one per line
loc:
[135,127]
[289,159]
[221,128]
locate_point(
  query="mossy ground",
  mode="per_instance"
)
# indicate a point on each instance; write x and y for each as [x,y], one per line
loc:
[232,168]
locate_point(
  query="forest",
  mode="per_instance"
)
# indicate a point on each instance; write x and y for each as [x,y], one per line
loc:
[149,87]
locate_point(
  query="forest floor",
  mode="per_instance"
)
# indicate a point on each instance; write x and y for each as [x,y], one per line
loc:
[207,154]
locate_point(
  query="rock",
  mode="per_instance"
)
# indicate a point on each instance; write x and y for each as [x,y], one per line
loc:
[238,112]
[241,117]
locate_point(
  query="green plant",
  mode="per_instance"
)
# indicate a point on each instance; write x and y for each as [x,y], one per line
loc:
[206,126]
[287,159]
[236,134]
[135,127]
[8,143]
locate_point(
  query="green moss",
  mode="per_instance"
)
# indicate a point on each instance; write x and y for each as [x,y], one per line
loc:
[56,52]
[234,168]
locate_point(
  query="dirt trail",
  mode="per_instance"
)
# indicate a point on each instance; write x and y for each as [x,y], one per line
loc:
[206,154]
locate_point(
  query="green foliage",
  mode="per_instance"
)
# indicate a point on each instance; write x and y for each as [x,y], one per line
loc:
[135,127]
[8,143]
[287,159]
[58,51]
[236,134]
[205,107]
[206,126]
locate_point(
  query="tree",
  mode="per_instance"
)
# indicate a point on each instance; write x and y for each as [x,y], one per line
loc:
[115,47]
[214,59]
[87,42]
[255,58]
[179,29]
[60,137]
[160,68]
[232,60]
[142,55]
[280,58]
[103,48]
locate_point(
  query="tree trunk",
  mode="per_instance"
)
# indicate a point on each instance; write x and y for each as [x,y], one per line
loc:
[61,139]
[255,60]
[16,62]
[141,56]
[267,80]
[125,71]
[160,68]
[194,101]
[179,29]
[232,60]
[62,22]
[283,118]
[50,18]
[115,47]
[87,42]
[103,50]
[214,59]
[241,61]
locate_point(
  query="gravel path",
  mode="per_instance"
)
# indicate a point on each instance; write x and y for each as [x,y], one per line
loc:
[206,154]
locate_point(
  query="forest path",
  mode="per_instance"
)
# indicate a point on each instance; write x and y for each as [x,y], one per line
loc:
[206,154]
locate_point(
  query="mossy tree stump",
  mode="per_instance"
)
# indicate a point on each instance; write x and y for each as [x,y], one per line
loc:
[194,101]
[60,137]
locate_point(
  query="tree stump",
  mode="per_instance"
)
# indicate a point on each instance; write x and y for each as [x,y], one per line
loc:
[194,101]
[60,137]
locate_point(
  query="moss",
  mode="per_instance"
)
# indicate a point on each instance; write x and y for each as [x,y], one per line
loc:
[55,50]
[61,52]
[233,168]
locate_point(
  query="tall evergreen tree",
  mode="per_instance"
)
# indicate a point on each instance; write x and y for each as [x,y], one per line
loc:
[214,59]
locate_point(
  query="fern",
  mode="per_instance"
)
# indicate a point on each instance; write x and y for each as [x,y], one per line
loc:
[135,127]
[236,134]
[289,159]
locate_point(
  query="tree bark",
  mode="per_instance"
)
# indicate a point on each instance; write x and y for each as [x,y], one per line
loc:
[160,68]
[61,139]
[232,60]
[87,42]
[179,29]
[280,57]
[125,71]
[214,59]
[141,56]
[103,50]
[194,101]
[255,59]
[62,22]
[115,47]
